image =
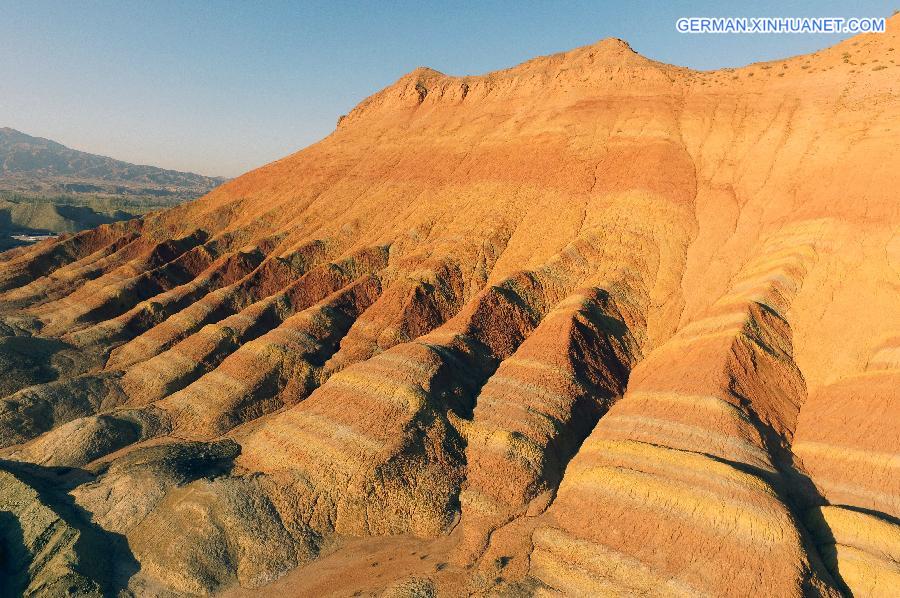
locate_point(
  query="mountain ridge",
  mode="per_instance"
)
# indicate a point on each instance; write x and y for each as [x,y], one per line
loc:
[18,151]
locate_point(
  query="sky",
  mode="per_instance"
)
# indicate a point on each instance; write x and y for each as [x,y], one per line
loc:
[222,87]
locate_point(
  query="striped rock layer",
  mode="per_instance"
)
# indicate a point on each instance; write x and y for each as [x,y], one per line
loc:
[605,325]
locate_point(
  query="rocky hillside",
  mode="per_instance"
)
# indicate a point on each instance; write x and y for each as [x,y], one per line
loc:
[593,325]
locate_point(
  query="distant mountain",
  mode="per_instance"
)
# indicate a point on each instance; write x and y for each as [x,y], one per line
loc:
[34,163]
[48,188]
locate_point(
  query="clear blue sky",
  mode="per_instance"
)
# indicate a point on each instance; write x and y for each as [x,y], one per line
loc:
[222,87]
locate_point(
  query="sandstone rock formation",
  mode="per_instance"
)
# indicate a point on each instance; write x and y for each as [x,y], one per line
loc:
[592,325]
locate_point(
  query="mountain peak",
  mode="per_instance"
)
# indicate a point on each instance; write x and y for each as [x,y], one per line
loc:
[10,132]
[613,45]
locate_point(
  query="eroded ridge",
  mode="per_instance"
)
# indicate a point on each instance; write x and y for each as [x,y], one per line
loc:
[399,467]
[273,274]
[81,390]
[690,465]
[535,411]
[379,447]
[279,368]
[203,350]
[49,256]
[169,264]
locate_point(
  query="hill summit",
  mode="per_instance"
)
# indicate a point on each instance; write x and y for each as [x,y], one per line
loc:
[591,325]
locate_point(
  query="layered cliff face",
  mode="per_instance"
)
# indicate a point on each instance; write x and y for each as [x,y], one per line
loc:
[590,325]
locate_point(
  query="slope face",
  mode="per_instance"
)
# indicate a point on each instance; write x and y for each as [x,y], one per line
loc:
[590,325]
